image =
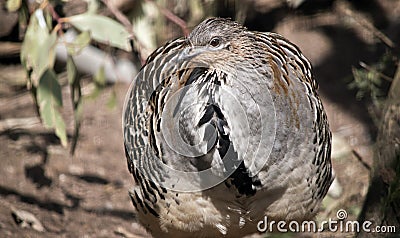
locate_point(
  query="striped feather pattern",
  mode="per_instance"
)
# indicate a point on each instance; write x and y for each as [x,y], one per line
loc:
[200,86]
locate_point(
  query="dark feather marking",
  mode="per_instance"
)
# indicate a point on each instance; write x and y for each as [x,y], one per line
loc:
[241,178]
[139,200]
[133,200]
[151,210]
[243,182]
[195,74]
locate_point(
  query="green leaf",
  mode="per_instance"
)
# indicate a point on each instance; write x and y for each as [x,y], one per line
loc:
[93,6]
[71,70]
[95,92]
[13,5]
[77,120]
[50,99]
[100,77]
[81,41]
[99,82]
[38,48]
[102,29]
[49,19]
[79,110]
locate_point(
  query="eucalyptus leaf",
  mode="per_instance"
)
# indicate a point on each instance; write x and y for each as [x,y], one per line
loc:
[33,35]
[13,5]
[72,71]
[81,41]
[95,92]
[100,77]
[38,48]
[93,6]
[102,29]
[49,99]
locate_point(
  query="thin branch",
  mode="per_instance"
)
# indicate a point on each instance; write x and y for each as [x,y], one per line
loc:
[172,17]
[128,25]
[361,160]
[52,11]
[55,16]
[119,15]
[369,68]
[368,25]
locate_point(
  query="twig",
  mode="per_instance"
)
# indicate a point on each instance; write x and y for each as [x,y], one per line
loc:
[56,17]
[369,68]
[128,25]
[172,17]
[119,15]
[52,11]
[370,27]
[360,159]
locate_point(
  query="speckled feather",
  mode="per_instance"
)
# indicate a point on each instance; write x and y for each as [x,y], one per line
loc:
[297,174]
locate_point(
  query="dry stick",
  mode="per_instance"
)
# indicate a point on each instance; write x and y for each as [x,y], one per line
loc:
[360,159]
[52,10]
[128,25]
[369,26]
[119,15]
[379,34]
[172,17]
[369,68]
[58,28]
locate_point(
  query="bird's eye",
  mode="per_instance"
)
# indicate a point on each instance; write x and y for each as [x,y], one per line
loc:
[214,42]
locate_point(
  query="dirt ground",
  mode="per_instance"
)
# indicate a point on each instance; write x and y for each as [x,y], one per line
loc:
[87,195]
[81,196]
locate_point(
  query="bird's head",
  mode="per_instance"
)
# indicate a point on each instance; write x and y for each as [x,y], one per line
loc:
[219,33]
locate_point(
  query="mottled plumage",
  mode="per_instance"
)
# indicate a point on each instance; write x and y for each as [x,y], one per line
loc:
[243,108]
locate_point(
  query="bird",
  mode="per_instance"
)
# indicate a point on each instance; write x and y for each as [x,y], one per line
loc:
[223,128]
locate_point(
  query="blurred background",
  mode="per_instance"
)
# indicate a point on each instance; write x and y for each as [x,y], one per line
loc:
[65,67]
